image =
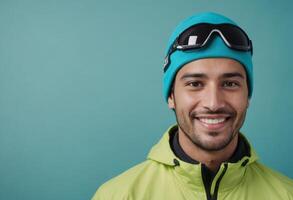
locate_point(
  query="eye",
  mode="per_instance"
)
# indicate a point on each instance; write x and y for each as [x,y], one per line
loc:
[195,84]
[230,84]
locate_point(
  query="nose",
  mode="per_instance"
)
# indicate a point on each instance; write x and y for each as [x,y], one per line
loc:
[213,99]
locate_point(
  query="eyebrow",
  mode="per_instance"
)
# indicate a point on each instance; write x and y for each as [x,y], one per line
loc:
[202,75]
[194,75]
[233,74]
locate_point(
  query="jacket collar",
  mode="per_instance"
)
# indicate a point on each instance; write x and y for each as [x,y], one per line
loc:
[241,150]
[191,174]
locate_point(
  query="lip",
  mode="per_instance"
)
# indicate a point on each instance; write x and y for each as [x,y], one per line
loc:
[213,126]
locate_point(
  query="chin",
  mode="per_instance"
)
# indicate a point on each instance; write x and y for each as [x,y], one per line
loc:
[213,141]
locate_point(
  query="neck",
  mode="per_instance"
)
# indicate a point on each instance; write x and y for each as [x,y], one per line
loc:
[212,159]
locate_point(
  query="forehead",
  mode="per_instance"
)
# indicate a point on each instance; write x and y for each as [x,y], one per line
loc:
[212,67]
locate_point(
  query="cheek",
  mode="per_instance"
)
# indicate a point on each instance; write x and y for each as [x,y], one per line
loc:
[238,101]
[241,108]
[186,100]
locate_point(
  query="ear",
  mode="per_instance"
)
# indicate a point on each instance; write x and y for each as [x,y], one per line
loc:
[171,103]
[248,103]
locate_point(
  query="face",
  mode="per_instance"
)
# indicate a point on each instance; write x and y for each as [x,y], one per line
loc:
[210,99]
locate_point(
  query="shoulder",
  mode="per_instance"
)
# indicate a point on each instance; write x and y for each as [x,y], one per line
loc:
[276,180]
[131,182]
[119,186]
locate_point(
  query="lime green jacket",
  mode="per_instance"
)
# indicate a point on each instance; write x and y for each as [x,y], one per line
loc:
[163,176]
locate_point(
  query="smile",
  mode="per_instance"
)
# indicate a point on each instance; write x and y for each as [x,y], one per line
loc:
[213,123]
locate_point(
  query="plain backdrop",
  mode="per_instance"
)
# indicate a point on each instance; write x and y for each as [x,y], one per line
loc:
[81,88]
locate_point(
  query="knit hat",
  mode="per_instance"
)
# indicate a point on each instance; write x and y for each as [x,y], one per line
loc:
[215,49]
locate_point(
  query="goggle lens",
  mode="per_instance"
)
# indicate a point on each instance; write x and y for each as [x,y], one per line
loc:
[194,36]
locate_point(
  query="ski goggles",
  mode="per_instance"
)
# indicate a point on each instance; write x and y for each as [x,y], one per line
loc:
[199,35]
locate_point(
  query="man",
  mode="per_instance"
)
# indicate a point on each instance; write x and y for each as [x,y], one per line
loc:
[208,83]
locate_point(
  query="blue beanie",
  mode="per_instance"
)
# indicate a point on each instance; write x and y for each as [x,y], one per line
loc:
[216,49]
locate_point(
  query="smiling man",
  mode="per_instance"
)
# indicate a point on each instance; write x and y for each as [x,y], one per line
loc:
[208,83]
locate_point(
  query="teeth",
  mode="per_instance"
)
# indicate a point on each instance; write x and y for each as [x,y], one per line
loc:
[212,121]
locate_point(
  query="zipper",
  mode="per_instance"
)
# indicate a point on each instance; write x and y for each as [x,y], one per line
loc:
[209,185]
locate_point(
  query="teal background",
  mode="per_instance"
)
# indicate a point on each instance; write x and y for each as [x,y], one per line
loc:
[81,94]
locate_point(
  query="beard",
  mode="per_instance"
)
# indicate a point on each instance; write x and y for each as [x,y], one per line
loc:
[187,125]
